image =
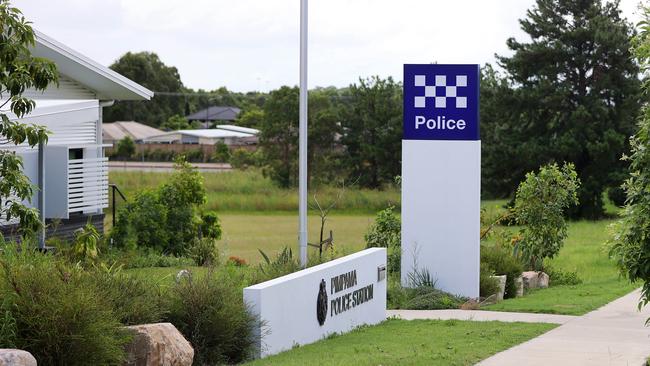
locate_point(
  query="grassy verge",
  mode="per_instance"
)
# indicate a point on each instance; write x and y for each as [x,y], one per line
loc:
[583,252]
[417,342]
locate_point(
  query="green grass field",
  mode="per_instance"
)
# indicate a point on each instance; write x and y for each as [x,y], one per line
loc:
[250,191]
[417,342]
[244,234]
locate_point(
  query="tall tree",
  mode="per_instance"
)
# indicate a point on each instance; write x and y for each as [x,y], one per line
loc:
[279,135]
[19,71]
[496,148]
[575,94]
[147,69]
[372,123]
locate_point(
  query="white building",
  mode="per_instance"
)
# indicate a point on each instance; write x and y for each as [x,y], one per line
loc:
[72,172]
[227,134]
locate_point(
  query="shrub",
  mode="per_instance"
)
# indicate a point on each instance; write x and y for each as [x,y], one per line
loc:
[165,219]
[211,314]
[181,196]
[204,251]
[85,242]
[210,226]
[242,159]
[499,260]
[125,148]
[143,258]
[221,153]
[420,298]
[58,313]
[488,285]
[430,298]
[386,233]
[237,261]
[141,222]
[282,264]
[134,301]
[540,204]
[559,277]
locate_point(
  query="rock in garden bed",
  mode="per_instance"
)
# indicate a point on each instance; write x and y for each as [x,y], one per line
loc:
[533,280]
[158,344]
[16,357]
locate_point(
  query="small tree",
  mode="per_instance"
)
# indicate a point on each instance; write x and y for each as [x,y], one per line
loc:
[176,122]
[221,153]
[19,70]
[386,232]
[125,148]
[540,205]
[630,245]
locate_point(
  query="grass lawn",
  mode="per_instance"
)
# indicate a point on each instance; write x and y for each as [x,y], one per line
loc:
[244,233]
[416,342]
[585,253]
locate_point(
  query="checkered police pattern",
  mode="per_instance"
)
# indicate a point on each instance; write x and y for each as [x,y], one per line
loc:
[440,92]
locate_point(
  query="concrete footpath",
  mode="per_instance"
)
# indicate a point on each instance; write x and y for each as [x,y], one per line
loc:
[612,335]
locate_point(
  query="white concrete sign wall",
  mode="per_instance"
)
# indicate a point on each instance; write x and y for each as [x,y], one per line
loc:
[306,306]
[441,176]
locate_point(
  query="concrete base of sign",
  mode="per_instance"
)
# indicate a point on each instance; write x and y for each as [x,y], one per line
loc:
[308,305]
[441,205]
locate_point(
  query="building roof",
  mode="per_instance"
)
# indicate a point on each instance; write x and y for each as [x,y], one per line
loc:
[215,113]
[135,130]
[251,131]
[107,84]
[212,133]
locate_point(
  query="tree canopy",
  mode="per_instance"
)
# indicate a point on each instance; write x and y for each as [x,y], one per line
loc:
[630,245]
[372,131]
[573,97]
[19,71]
[279,135]
[147,69]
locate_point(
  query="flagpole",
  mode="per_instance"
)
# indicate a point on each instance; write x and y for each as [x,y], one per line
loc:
[302,140]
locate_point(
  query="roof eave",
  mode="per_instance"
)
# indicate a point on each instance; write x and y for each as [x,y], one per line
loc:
[108,83]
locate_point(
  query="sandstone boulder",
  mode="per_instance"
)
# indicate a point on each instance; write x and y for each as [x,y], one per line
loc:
[501,280]
[16,357]
[158,344]
[533,280]
[542,280]
[519,282]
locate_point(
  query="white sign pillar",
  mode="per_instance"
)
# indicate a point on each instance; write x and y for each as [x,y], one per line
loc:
[441,176]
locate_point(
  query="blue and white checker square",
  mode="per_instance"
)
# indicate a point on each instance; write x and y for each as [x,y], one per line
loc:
[437,91]
[445,91]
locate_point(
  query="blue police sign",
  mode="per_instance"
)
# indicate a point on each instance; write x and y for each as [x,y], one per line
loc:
[441,102]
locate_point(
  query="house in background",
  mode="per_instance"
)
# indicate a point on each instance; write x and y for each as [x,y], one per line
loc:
[214,115]
[114,132]
[71,171]
[233,136]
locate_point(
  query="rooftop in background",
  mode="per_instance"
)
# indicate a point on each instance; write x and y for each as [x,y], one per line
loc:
[215,114]
[238,129]
[214,133]
[136,131]
[230,135]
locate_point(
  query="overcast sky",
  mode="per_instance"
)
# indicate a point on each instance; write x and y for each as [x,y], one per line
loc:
[253,44]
